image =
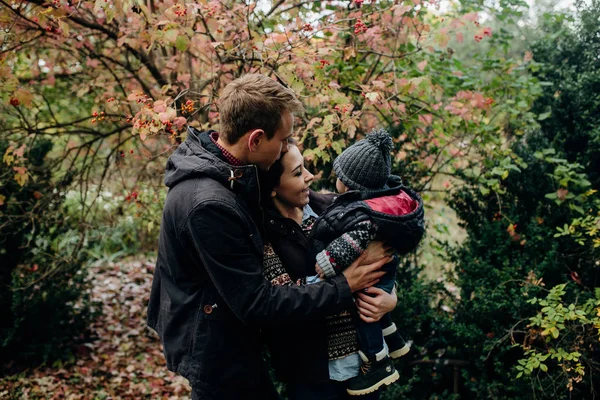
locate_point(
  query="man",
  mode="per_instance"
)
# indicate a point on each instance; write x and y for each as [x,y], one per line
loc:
[208,294]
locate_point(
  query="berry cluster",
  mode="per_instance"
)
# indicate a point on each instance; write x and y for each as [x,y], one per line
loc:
[344,109]
[307,28]
[359,26]
[323,64]
[139,124]
[168,127]
[188,107]
[110,100]
[131,196]
[359,2]
[211,10]
[180,10]
[52,29]
[14,101]
[98,117]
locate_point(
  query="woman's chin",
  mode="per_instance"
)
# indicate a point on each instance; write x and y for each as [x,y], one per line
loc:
[302,203]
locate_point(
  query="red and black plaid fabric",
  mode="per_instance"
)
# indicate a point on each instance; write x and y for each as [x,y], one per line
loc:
[230,158]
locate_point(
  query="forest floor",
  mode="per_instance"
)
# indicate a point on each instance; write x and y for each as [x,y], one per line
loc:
[123,360]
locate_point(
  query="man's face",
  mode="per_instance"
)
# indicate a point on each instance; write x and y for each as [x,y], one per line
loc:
[269,151]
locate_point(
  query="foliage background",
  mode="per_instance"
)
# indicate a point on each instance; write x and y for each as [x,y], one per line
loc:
[494,110]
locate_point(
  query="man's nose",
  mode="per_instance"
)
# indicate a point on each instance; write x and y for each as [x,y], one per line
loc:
[285,147]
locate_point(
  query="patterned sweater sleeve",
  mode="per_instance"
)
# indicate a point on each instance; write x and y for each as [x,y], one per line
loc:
[274,271]
[342,252]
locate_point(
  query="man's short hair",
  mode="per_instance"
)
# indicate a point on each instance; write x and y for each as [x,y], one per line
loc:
[254,101]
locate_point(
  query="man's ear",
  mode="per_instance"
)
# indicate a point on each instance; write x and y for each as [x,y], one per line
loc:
[255,138]
[273,193]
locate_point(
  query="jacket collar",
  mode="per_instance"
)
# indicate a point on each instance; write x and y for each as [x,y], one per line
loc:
[198,156]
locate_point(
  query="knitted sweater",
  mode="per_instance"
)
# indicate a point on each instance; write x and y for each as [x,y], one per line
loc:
[344,231]
[341,332]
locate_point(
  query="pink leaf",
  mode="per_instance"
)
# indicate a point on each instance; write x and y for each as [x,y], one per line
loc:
[160,106]
[184,78]
[92,63]
[179,122]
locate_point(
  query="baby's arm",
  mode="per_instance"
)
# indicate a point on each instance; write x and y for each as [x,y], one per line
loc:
[345,249]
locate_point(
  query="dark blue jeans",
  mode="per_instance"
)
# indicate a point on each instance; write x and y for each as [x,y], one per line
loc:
[370,338]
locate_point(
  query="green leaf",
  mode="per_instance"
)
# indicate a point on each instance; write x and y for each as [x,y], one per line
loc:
[544,116]
[182,43]
[172,35]
[577,208]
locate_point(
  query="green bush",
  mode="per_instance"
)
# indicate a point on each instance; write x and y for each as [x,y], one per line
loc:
[528,272]
[44,296]
[119,223]
[525,321]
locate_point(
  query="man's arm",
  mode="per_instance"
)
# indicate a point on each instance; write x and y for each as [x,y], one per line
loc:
[235,268]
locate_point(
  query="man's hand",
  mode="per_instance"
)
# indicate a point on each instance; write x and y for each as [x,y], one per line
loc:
[373,303]
[376,250]
[361,275]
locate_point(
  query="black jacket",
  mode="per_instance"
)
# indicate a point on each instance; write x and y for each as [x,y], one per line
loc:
[208,294]
[402,231]
[298,352]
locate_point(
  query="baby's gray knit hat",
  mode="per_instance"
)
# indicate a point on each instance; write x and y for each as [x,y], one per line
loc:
[366,165]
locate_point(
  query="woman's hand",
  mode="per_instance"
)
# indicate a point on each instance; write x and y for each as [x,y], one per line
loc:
[373,303]
[376,250]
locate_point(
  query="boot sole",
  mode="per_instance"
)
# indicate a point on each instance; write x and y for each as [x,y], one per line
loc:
[386,381]
[400,352]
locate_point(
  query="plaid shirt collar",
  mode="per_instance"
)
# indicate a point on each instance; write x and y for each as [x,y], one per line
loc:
[214,136]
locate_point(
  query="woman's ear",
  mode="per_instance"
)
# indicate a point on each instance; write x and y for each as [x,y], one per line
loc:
[255,139]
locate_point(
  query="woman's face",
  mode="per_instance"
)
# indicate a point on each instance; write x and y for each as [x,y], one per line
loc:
[295,180]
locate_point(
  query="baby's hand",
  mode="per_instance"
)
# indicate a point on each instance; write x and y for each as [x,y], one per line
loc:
[319,271]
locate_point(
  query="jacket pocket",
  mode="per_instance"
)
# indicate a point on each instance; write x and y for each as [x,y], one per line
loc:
[222,352]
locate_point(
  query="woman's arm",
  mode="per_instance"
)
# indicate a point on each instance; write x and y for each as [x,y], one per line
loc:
[373,303]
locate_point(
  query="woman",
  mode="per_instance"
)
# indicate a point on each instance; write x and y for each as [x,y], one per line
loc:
[314,359]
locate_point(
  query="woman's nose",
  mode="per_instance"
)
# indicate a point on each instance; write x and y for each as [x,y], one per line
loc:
[309,177]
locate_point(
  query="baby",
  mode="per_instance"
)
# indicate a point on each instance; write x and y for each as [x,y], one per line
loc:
[373,205]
